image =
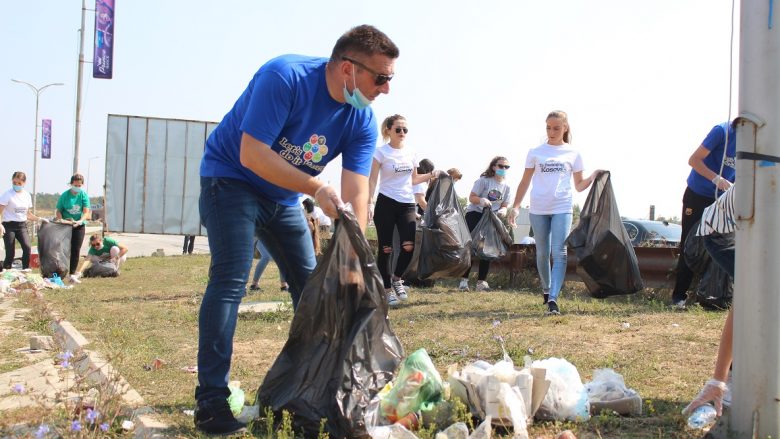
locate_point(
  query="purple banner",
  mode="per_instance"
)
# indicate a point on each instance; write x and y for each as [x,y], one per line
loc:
[103,59]
[46,139]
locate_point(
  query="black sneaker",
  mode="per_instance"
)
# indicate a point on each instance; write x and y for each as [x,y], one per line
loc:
[214,417]
[552,309]
[546,298]
[254,287]
[284,288]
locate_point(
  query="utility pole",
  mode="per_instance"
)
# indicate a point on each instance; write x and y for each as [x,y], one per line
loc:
[77,129]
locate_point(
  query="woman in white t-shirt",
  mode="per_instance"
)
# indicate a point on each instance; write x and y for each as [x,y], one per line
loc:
[551,168]
[15,207]
[395,166]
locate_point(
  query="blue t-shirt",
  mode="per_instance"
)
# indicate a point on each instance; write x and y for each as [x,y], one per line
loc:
[714,142]
[287,106]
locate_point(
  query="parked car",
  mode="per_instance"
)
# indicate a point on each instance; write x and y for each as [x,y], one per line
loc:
[647,233]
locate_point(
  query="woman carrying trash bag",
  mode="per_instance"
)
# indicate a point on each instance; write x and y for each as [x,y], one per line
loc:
[488,191]
[15,207]
[395,166]
[551,166]
[73,207]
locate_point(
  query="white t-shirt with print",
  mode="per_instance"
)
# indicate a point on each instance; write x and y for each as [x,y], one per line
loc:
[551,185]
[499,194]
[395,172]
[16,205]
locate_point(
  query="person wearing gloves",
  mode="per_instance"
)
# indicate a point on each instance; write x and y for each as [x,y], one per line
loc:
[395,166]
[73,207]
[101,249]
[491,191]
[15,207]
[296,115]
[551,168]
[717,226]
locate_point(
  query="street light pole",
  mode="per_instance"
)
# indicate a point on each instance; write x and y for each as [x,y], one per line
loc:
[37,92]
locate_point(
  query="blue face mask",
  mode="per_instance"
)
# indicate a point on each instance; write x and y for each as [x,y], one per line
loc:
[17,188]
[501,172]
[75,190]
[356,99]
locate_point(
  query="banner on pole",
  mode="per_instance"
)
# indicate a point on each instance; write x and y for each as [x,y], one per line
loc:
[46,139]
[103,58]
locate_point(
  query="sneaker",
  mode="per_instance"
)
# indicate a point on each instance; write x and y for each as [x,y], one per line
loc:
[254,287]
[464,285]
[392,299]
[679,305]
[214,417]
[482,286]
[284,287]
[74,278]
[552,309]
[399,290]
[546,298]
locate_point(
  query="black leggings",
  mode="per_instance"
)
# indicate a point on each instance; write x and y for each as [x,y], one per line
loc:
[75,247]
[388,215]
[693,208]
[472,218]
[16,231]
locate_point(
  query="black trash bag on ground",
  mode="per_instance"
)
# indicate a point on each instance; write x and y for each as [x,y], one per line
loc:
[341,350]
[102,269]
[490,239]
[606,260]
[54,248]
[445,243]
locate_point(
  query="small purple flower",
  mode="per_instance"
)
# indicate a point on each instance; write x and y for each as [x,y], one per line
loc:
[104,426]
[65,357]
[42,431]
[18,388]
[92,416]
[496,323]
[75,426]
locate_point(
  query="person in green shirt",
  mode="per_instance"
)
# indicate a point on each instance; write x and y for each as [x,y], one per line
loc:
[101,249]
[73,208]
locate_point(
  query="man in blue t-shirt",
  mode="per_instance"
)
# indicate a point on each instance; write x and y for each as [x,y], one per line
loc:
[296,115]
[705,182]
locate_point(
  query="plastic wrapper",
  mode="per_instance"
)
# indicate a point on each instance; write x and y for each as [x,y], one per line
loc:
[417,387]
[445,242]
[608,391]
[606,261]
[490,239]
[54,248]
[341,350]
[566,399]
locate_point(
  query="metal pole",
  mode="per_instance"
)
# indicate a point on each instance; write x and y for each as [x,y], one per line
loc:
[755,409]
[77,131]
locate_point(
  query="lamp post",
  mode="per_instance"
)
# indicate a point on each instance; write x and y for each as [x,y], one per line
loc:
[89,169]
[37,91]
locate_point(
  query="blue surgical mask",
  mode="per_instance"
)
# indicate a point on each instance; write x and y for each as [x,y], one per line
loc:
[75,190]
[356,99]
[501,172]
[17,188]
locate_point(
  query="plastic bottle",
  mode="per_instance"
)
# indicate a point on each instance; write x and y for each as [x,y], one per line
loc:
[702,417]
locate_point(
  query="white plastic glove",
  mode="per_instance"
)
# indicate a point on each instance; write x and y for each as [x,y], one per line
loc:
[328,200]
[44,220]
[721,183]
[712,391]
[484,202]
[501,212]
[512,216]
[75,224]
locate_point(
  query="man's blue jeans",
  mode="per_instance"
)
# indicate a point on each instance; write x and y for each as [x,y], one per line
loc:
[550,233]
[234,213]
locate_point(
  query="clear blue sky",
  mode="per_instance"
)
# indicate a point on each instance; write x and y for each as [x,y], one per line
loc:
[642,81]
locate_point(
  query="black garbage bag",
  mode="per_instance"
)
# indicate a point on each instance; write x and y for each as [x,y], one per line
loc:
[696,256]
[341,350]
[445,242]
[54,248]
[102,269]
[490,239]
[715,289]
[606,260]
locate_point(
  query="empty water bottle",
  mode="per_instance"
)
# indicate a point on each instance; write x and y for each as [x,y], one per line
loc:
[702,417]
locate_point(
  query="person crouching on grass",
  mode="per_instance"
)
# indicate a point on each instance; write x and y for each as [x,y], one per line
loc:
[101,249]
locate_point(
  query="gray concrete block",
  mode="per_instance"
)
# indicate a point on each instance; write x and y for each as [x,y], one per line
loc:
[42,342]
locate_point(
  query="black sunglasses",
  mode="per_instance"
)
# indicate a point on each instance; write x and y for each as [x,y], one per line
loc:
[379,78]
[503,166]
[398,130]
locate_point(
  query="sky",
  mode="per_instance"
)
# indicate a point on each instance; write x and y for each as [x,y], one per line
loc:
[643,82]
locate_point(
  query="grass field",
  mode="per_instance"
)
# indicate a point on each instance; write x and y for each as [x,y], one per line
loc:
[151,312]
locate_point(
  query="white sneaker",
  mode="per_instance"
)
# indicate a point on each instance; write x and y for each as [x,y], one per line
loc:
[464,284]
[74,279]
[392,299]
[400,290]
[482,286]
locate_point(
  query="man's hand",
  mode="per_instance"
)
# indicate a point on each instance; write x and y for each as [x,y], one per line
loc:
[328,200]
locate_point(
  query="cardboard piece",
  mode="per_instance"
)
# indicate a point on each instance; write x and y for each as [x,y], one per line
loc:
[628,406]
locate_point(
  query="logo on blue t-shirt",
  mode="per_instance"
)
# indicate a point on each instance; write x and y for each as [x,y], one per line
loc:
[311,152]
[494,195]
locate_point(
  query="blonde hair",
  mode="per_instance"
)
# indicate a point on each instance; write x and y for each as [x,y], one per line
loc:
[455,173]
[558,114]
[388,123]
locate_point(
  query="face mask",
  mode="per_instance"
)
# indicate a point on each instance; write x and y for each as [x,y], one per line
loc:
[356,99]
[17,188]
[75,190]
[501,172]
